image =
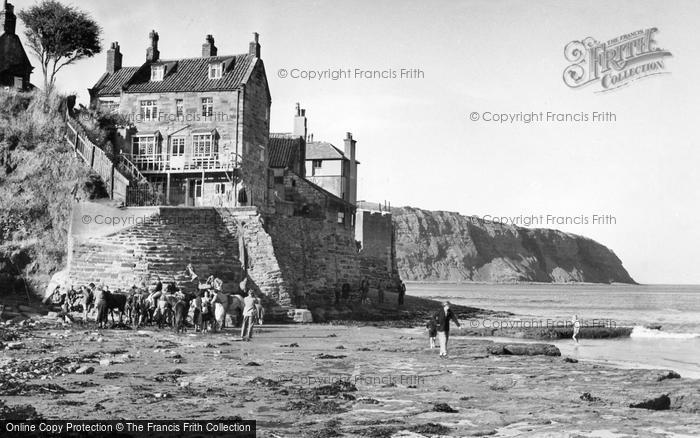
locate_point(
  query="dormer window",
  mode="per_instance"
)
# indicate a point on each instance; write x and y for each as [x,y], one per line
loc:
[157,73]
[216,70]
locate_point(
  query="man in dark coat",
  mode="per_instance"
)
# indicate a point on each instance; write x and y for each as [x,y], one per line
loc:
[402,292]
[443,317]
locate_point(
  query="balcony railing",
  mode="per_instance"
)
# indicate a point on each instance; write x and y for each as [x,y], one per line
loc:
[160,163]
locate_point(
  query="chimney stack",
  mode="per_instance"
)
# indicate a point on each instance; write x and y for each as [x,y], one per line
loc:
[8,18]
[300,123]
[114,58]
[254,46]
[208,48]
[152,54]
[351,181]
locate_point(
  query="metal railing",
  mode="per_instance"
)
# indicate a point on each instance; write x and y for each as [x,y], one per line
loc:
[162,163]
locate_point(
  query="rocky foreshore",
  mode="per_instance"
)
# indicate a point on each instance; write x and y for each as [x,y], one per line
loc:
[323,380]
[549,332]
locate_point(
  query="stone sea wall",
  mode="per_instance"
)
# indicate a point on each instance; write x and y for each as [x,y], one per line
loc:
[315,256]
[375,232]
[292,261]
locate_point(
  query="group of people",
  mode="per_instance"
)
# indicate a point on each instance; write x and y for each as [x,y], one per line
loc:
[166,305]
[382,286]
[439,327]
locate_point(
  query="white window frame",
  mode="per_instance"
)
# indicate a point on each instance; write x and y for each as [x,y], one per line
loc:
[149,110]
[157,73]
[141,142]
[204,145]
[177,146]
[216,70]
[207,106]
[179,108]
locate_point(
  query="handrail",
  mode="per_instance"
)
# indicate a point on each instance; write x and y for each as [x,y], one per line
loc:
[98,159]
[131,167]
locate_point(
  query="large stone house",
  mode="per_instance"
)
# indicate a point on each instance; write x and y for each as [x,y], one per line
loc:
[197,128]
[15,68]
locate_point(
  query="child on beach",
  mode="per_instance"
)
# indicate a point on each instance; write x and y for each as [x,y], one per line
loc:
[577,326]
[206,315]
[432,331]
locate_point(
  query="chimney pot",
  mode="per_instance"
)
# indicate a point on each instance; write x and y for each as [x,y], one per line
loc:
[300,129]
[114,58]
[152,54]
[208,48]
[254,48]
[8,18]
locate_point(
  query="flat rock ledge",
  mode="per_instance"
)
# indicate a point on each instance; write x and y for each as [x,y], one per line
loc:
[523,350]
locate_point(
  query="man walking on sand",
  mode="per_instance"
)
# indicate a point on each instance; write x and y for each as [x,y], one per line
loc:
[249,316]
[443,318]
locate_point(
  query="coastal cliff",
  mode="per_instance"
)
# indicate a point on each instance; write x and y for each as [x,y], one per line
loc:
[446,246]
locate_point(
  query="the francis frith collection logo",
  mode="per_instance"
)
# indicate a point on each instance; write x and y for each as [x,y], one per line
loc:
[614,63]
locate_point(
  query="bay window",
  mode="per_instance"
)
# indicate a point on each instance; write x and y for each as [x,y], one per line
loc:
[204,145]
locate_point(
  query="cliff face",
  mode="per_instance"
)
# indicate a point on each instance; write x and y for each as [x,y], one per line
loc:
[445,246]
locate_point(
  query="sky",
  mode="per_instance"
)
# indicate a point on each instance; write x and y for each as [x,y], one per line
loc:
[416,141]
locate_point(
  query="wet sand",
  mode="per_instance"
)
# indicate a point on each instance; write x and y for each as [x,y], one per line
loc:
[328,380]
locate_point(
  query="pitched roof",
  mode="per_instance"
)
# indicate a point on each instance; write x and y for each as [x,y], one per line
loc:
[189,74]
[283,150]
[321,150]
[111,84]
[12,55]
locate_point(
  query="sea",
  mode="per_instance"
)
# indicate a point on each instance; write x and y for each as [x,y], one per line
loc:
[665,318]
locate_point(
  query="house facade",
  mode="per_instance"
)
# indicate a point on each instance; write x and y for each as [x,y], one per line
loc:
[15,68]
[197,129]
[332,168]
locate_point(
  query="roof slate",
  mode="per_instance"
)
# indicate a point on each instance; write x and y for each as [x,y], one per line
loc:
[189,74]
[283,151]
[321,150]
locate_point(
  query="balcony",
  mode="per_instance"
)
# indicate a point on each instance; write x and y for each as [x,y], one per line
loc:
[147,164]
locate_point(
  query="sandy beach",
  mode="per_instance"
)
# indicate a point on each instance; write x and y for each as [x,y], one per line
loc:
[322,380]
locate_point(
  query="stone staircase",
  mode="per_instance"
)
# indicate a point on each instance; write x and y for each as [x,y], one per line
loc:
[162,245]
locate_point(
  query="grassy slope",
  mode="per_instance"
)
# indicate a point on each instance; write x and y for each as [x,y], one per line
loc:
[38,174]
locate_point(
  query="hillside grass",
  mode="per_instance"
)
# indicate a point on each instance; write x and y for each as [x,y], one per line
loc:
[40,176]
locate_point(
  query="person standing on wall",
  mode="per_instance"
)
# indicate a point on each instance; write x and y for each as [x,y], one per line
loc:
[443,318]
